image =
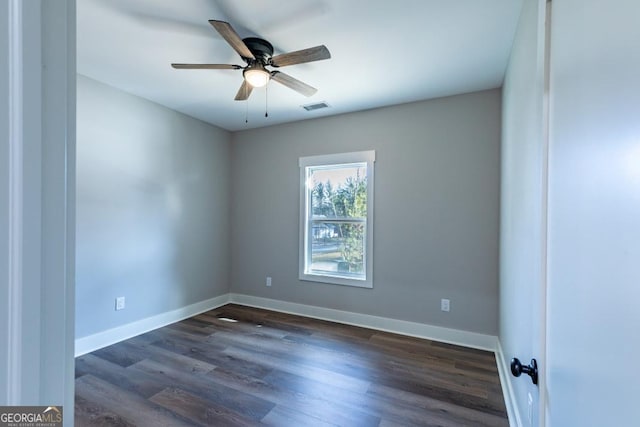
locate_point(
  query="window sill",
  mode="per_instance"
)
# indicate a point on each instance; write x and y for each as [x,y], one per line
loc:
[335,280]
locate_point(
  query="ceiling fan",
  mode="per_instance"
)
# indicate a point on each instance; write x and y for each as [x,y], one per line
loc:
[258,54]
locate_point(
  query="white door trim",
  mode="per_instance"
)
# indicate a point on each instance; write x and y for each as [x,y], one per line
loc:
[542,366]
[16,188]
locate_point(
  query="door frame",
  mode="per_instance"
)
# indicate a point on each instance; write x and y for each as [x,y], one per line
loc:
[37,199]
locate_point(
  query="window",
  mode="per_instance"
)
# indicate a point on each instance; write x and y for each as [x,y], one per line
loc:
[336,218]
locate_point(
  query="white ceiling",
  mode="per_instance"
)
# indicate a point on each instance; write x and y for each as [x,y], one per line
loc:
[383,52]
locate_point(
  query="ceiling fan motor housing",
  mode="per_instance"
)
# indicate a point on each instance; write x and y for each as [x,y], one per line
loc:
[261,49]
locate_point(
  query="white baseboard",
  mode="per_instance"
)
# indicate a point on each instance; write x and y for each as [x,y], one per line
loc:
[504,371]
[111,336]
[413,329]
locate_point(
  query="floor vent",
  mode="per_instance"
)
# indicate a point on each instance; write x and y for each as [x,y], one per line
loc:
[312,107]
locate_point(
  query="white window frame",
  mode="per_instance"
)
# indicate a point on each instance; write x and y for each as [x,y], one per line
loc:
[367,157]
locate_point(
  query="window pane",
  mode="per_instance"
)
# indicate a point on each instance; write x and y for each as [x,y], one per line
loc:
[338,248]
[338,191]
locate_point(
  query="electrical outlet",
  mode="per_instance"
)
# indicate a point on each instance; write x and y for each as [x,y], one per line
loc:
[120,303]
[268,283]
[444,304]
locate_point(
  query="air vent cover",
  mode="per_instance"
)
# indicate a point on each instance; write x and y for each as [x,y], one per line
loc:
[317,106]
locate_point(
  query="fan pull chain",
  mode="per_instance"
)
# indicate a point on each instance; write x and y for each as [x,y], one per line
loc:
[246,112]
[266,100]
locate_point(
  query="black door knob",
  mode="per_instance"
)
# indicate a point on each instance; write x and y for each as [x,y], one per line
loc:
[518,368]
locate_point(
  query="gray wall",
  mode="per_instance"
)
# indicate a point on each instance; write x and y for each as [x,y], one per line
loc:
[521,227]
[152,208]
[436,210]
[594,214]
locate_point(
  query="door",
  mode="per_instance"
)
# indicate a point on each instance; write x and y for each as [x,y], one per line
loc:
[523,230]
[594,215]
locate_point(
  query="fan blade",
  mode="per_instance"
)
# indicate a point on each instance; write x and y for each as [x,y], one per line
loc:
[206,67]
[311,54]
[229,34]
[244,91]
[293,83]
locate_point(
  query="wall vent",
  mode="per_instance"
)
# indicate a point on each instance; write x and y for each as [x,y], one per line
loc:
[317,106]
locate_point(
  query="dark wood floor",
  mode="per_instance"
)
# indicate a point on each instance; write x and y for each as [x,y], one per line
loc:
[267,368]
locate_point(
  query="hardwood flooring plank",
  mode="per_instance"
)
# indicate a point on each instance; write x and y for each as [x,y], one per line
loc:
[262,317]
[143,339]
[196,322]
[90,414]
[138,383]
[364,408]
[451,381]
[177,345]
[201,411]
[335,379]
[400,401]
[378,353]
[232,360]
[179,361]
[335,344]
[249,406]
[483,373]
[129,407]
[413,347]
[123,354]
[190,328]
[288,399]
[281,416]
[446,395]
[183,343]
[184,334]
[222,325]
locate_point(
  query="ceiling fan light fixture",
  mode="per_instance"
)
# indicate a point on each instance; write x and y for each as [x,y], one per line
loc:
[256,77]
[258,54]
